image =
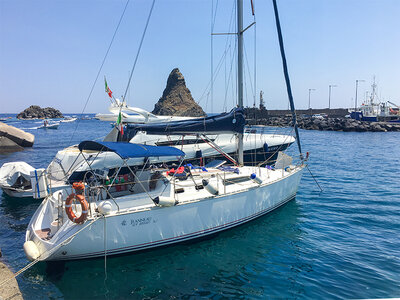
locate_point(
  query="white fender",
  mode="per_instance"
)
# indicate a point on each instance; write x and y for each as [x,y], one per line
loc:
[210,187]
[31,250]
[105,207]
[165,201]
[256,179]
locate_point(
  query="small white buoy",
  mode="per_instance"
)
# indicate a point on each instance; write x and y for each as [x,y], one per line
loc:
[31,250]
[210,187]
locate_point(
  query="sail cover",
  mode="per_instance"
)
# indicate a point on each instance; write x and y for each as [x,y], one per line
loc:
[130,150]
[233,121]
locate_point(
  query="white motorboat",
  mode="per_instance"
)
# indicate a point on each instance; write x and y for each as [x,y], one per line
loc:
[68,120]
[48,125]
[15,179]
[139,115]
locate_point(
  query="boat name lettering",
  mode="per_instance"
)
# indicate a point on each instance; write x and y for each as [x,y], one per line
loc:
[137,222]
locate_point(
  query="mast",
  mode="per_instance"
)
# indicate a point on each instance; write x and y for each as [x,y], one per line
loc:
[286,73]
[240,70]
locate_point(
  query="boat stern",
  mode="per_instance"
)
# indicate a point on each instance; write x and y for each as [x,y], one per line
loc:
[41,233]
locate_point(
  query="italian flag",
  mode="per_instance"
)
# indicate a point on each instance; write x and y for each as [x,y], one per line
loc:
[108,91]
[119,124]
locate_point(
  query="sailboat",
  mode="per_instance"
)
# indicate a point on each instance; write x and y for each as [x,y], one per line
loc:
[129,209]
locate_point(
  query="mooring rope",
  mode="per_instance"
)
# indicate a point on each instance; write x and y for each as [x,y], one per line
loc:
[51,251]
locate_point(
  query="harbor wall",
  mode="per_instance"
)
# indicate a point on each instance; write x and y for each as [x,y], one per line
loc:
[258,113]
[9,290]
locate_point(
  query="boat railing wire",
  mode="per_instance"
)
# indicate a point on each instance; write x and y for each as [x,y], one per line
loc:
[101,67]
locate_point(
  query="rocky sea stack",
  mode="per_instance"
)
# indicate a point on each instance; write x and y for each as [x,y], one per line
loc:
[177,99]
[36,112]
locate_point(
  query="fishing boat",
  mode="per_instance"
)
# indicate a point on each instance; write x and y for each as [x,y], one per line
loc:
[48,125]
[373,110]
[111,212]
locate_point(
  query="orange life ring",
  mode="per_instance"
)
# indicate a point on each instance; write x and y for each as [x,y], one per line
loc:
[70,213]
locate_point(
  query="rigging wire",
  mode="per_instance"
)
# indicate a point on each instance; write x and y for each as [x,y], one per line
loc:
[228,45]
[217,70]
[213,16]
[248,69]
[229,80]
[101,67]
[140,47]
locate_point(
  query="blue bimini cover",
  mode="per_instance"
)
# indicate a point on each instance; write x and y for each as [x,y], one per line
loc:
[129,150]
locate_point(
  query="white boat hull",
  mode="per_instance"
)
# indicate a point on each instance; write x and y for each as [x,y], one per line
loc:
[18,193]
[160,226]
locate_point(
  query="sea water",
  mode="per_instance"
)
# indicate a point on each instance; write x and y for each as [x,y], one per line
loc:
[340,243]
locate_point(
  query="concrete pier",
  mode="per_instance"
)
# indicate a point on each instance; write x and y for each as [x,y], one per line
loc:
[10,290]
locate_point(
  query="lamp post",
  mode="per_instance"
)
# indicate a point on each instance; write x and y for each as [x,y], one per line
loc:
[357,81]
[330,88]
[309,97]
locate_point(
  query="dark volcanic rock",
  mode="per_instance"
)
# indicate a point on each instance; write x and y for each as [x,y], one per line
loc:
[177,99]
[35,111]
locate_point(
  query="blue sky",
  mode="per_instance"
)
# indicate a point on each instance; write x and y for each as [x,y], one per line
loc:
[51,51]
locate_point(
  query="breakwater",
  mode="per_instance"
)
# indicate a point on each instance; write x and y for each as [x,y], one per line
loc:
[328,123]
[256,113]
